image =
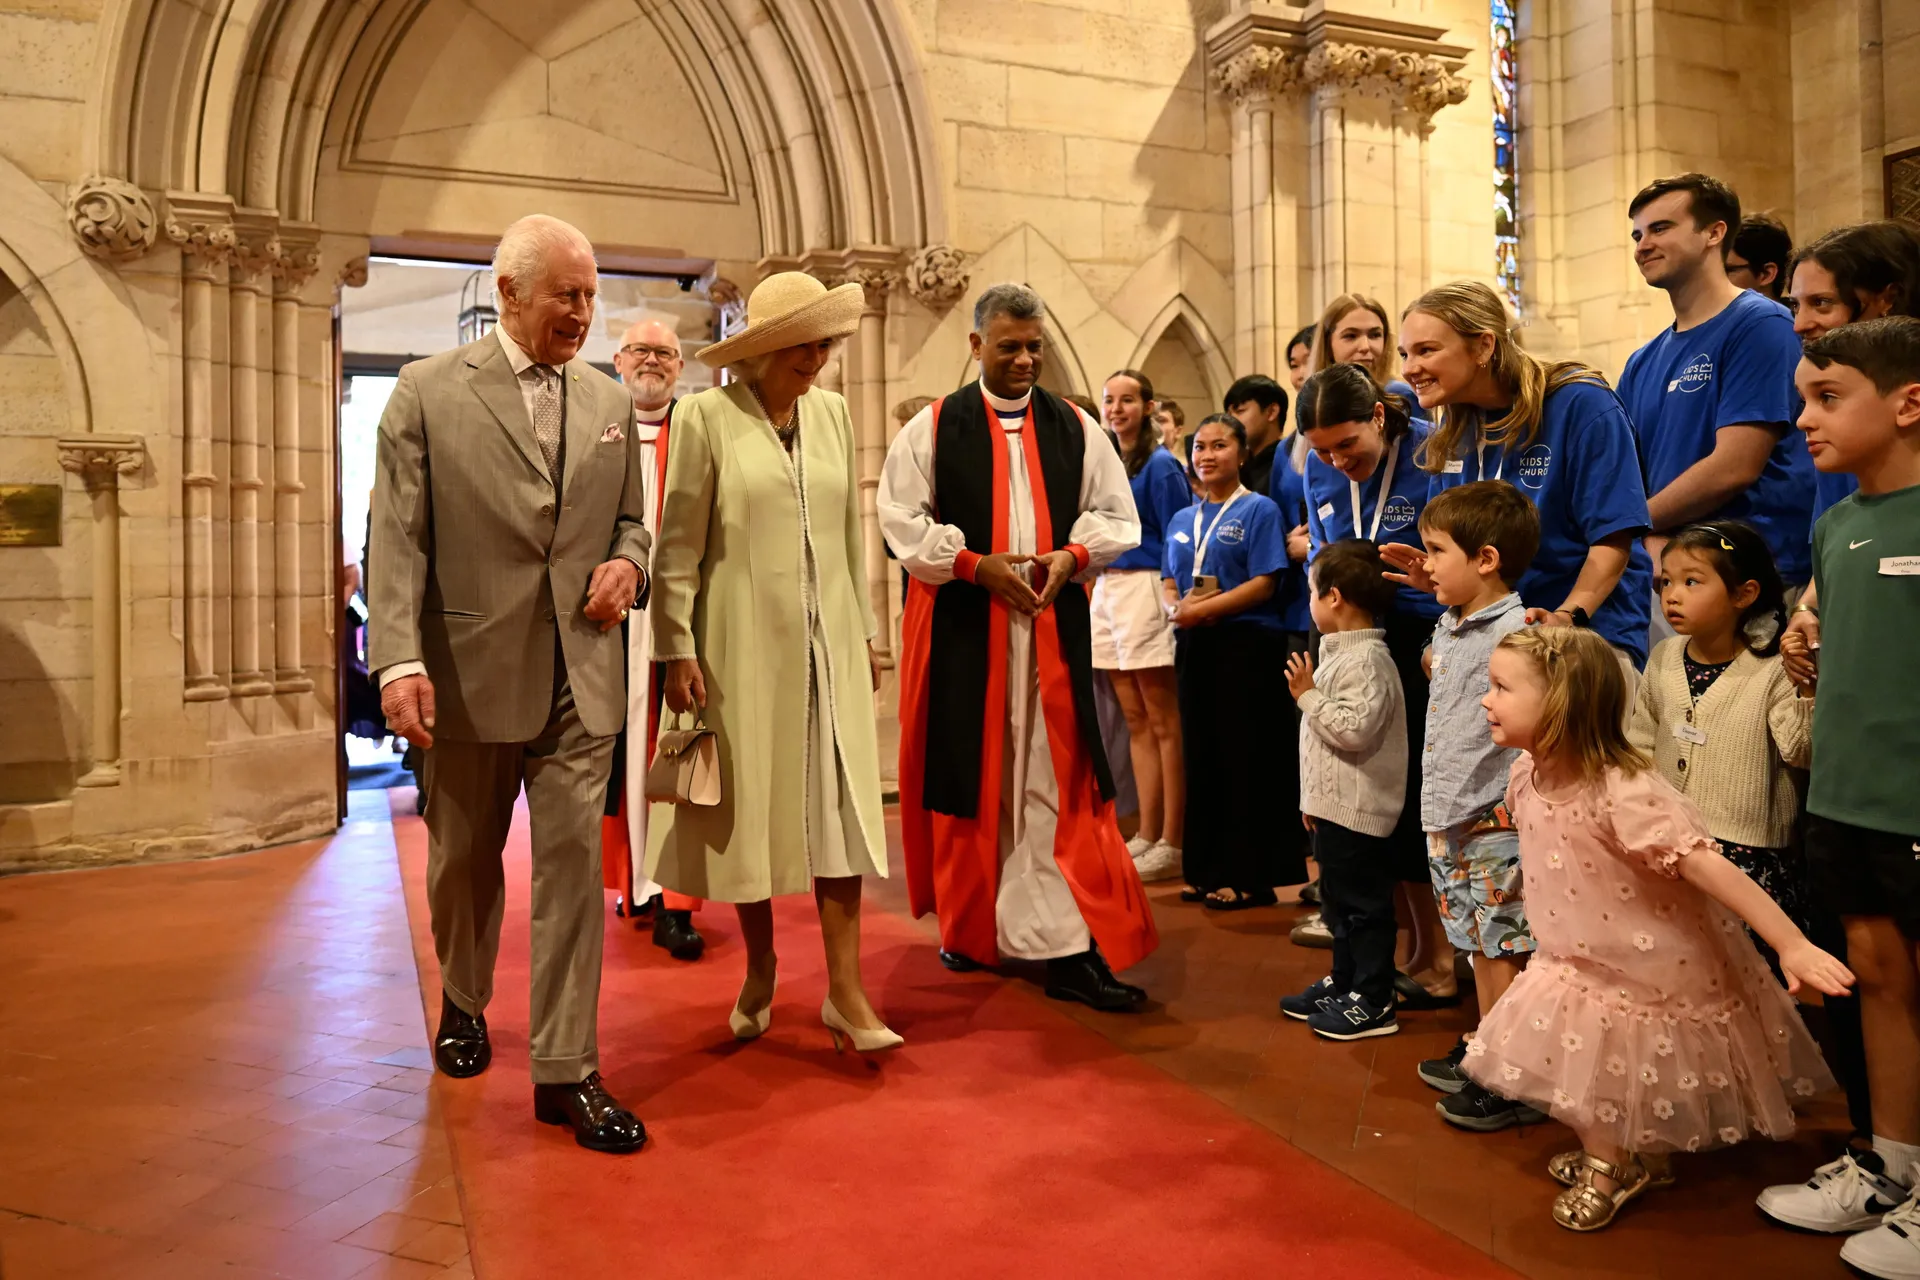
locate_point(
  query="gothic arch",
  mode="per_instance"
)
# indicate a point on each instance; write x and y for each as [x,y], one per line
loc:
[1181,322]
[235,99]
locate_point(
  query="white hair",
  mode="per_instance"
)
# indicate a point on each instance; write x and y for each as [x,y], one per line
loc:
[524,248]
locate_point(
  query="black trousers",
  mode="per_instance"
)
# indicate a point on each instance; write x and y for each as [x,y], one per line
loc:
[1357,879]
[1242,759]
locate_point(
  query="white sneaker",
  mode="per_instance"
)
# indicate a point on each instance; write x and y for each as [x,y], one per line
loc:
[1137,847]
[1890,1250]
[1850,1194]
[1162,862]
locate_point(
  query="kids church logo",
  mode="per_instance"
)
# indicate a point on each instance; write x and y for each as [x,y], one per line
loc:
[1231,533]
[1399,514]
[1695,377]
[1534,465]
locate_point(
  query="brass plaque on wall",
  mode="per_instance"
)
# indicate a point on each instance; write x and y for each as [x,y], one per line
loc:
[29,515]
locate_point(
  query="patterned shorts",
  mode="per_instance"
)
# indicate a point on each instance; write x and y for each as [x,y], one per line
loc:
[1476,879]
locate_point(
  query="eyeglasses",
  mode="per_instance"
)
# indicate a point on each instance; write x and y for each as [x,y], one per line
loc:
[665,355]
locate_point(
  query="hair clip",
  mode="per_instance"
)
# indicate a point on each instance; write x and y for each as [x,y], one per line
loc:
[1724,544]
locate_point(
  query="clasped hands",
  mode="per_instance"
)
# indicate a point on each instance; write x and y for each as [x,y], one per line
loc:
[1001,574]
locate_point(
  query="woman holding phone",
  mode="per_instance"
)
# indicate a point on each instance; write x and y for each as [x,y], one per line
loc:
[1223,558]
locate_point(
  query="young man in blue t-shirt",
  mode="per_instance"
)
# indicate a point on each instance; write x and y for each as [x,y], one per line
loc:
[1711,396]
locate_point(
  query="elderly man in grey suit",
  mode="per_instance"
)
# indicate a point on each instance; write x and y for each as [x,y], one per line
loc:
[507,545]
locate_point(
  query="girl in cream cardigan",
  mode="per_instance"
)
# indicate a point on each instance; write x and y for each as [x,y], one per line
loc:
[1716,711]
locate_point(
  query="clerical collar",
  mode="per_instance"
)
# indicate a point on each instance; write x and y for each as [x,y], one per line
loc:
[652,417]
[1003,406]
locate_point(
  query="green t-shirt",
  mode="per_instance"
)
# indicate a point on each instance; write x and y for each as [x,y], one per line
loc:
[1866,716]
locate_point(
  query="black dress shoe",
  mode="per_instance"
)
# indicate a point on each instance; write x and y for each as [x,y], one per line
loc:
[959,963]
[674,931]
[1086,978]
[1138,993]
[461,1047]
[599,1123]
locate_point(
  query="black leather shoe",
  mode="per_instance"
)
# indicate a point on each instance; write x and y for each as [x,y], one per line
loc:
[1138,993]
[460,1046]
[959,963]
[674,932]
[599,1123]
[1086,978]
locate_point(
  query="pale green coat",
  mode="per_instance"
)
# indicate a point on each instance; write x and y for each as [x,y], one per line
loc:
[727,589]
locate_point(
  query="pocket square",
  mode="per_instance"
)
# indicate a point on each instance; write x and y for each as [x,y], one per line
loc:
[613,434]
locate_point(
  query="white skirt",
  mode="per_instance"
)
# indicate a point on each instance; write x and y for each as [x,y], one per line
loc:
[1131,631]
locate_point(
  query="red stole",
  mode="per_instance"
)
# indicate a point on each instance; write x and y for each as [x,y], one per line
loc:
[953,863]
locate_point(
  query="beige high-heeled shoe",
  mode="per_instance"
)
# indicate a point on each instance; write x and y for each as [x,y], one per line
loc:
[746,1026]
[864,1040]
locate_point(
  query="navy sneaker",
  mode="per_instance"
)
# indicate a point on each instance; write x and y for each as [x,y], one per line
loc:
[1484,1111]
[1445,1074]
[1304,1005]
[1352,1017]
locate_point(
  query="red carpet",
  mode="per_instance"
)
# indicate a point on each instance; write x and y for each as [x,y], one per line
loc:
[1002,1140]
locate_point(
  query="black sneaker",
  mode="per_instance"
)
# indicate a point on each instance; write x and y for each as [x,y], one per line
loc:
[1352,1017]
[1485,1111]
[1445,1074]
[1304,1005]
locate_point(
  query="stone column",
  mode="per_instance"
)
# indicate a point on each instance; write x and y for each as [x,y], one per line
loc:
[202,227]
[100,461]
[1332,107]
[292,268]
[252,261]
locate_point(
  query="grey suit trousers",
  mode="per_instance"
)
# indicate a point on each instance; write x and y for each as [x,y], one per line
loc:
[471,789]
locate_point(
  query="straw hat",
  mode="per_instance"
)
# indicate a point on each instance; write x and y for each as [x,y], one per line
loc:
[787,309]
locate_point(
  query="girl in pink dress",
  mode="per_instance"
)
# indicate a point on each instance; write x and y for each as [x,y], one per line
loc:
[1647,1022]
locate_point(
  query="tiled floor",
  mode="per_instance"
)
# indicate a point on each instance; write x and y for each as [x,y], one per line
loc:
[217,1071]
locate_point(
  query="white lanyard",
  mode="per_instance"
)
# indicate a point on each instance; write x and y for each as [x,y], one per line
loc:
[1200,542]
[1498,471]
[1379,503]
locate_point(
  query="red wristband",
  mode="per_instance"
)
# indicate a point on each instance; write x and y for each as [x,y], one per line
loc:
[965,564]
[1081,557]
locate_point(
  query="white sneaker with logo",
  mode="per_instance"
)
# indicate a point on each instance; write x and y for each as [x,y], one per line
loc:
[1891,1250]
[1850,1194]
[1137,847]
[1162,862]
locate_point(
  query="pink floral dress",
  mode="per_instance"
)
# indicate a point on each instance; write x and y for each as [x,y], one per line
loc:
[1646,1013]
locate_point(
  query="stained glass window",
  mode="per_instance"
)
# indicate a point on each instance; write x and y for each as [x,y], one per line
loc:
[1506,162]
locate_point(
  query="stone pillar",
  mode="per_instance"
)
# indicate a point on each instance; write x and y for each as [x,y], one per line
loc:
[299,257]
[202,227]
[100,461]
[247,472]
[1332,108]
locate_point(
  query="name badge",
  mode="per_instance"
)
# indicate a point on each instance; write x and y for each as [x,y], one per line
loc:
[1454,468]
[1890,566]
[1326,509]
[1690,733]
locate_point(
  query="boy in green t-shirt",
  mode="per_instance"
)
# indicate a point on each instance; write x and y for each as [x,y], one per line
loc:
[1861,385]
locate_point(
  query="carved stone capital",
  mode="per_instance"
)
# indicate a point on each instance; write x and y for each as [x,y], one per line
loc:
[101,460]
[1331,51]
[1414,82]
[256,243]
[1254,76]
[113,220]
[352,274]
[937,275]
[203,228]
[295,265]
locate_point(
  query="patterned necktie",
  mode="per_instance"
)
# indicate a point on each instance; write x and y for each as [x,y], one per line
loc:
[546,418]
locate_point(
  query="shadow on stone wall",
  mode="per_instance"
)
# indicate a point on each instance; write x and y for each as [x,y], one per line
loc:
[37,763]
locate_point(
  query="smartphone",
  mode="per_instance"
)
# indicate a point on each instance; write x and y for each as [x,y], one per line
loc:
[1206,584]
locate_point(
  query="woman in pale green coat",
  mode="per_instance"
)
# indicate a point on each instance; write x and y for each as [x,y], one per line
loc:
[760,612]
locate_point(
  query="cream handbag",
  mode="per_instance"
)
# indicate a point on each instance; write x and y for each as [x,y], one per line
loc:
[685,768]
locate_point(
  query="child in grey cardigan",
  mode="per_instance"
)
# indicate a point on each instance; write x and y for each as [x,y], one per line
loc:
[1353,784]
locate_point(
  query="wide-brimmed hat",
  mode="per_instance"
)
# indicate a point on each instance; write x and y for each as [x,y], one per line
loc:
[787,309]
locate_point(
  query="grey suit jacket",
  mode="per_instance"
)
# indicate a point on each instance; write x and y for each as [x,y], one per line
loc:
[475,565]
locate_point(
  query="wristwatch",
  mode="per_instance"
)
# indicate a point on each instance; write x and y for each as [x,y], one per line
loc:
[1580,617]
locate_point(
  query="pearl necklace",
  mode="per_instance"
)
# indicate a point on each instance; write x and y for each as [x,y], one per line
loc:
[793,416]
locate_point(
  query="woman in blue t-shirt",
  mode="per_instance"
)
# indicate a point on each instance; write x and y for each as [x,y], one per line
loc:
[1223,556]
[1559,435]
[1354,330]
[1132,639]
[1363,480]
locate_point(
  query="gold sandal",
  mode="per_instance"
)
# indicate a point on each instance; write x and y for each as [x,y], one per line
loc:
[1584,1207]
[1565,1169]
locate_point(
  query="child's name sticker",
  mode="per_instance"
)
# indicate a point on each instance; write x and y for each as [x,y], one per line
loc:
[1897,566]
[1326,509]
[1454,468]
[1690,733]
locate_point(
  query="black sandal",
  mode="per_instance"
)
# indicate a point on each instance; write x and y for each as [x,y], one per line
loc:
[1241,900]
[1191,894]
[1408,994]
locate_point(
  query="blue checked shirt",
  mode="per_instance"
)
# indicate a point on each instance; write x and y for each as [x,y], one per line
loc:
[1464,774]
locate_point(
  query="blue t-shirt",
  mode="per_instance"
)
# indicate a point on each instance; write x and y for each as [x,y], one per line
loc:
[1583,475]
[1681,388]
[1284,486]
[1392,517]
[1250,540]
[1160,490]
